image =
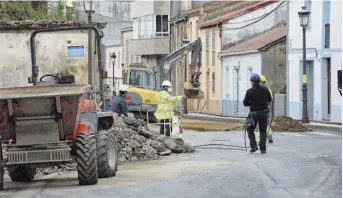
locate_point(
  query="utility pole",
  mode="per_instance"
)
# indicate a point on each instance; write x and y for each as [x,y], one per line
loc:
[113,56]
[89,11]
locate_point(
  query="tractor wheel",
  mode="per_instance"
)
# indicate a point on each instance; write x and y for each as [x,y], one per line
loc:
[87,169]
[22,173]
[107,152]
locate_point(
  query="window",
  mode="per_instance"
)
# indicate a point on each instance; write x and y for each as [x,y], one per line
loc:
[207,46]
[76,51]
[248,76]
[327,35]
[308,4]
[213,48]
[190,31]
[127,52]
[162,26]
[142,79]
[118,57]
[196,30]
[213,83]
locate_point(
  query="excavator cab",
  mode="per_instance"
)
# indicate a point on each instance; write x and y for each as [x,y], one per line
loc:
[141,97]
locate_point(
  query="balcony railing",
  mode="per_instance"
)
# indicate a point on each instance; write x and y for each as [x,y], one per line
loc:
[153,35]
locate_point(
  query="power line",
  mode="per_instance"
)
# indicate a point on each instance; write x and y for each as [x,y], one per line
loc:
[258,19]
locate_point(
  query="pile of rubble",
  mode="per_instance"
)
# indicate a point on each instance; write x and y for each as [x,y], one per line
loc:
[284,124]
[136,141]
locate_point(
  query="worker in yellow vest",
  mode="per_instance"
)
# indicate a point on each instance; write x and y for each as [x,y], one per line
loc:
[165,107]
[269,130]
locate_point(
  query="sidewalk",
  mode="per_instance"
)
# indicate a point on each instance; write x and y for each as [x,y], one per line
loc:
[212,118]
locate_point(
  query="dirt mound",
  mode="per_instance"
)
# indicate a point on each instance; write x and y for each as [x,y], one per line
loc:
[283,124]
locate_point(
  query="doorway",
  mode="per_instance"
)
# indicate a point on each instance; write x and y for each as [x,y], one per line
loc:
[326,88]
[236,90]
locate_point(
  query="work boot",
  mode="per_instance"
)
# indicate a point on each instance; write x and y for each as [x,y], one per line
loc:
[270,138]
[263,151]
[252,150]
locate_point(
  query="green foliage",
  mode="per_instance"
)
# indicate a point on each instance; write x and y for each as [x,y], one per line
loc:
[23,10]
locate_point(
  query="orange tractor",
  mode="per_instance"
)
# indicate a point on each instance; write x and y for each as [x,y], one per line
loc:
[56,122]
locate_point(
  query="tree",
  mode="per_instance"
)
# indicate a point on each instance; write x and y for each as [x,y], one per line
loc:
[36,10]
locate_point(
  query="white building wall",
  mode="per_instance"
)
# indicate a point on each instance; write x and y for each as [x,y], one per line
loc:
[317,53]
[231,35]
[117,49]
[246,64]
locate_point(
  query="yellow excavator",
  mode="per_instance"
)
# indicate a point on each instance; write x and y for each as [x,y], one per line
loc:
[141,97]
[141,81]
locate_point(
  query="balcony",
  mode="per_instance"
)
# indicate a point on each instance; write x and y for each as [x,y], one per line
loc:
[157,45]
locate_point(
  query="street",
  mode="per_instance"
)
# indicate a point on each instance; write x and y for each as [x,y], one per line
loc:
[296,165]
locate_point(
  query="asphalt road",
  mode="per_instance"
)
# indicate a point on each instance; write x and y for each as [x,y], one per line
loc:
[296,165]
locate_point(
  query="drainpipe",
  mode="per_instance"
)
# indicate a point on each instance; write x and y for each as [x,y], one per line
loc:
[170,36]
[221,65]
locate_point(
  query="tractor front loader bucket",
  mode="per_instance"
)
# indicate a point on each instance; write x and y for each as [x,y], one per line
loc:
[194,93]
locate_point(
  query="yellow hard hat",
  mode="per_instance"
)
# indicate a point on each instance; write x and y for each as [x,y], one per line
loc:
[263,78]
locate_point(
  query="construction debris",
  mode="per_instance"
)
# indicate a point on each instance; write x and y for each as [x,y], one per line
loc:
[135,142]
[287,124]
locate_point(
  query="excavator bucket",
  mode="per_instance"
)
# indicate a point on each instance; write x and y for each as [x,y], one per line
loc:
[194,93]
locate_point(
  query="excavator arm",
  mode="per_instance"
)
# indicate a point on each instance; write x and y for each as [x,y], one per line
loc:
[195,48]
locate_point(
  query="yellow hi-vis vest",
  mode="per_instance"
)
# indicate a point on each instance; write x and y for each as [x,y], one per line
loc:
[165,106]
[271,93]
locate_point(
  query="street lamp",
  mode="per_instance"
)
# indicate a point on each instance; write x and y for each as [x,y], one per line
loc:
[88,6]
[304,16]
[114,61]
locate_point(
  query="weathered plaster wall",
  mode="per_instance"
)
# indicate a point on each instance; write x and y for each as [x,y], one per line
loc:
[52,56]
[274,67]
[233,33]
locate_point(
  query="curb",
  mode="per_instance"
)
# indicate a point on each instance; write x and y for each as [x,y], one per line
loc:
[324,128]
[213,119]
[316,127]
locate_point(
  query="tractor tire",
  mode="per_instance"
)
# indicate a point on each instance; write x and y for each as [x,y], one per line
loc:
[87,168]
[107,151]
[22,173]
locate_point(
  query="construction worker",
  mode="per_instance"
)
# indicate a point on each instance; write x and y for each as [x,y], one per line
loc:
[165,107]
[257,98]
[119,104]
[269,130]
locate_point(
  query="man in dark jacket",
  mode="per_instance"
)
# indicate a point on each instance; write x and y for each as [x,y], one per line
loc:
[257,98]
[119,104]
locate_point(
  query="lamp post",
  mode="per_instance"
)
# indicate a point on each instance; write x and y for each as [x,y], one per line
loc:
[114,61]
[304,19]
[88,9]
